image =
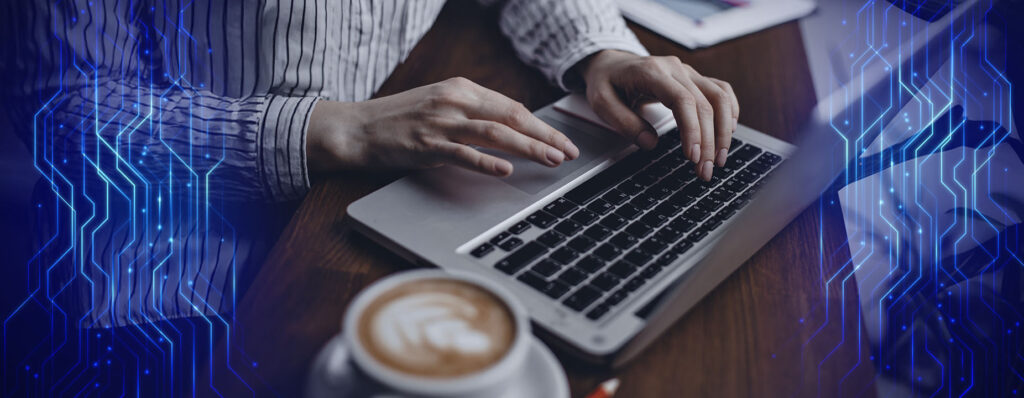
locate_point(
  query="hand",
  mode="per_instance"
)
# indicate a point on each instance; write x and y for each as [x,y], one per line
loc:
[430,126]
[705,108]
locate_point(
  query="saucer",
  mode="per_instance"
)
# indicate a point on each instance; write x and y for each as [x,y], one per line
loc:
[334,375]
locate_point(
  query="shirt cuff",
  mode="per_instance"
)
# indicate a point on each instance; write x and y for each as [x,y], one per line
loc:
[584,46]
[282,146]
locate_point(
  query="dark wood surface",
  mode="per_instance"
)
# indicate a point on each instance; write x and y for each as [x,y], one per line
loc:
[771,329]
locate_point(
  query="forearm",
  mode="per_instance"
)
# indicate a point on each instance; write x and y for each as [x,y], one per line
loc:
[555,35]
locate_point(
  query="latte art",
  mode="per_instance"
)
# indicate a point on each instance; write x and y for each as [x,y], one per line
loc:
[437,328]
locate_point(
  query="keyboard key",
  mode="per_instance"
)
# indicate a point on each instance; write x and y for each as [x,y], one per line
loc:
[682,247]
[745,177]
[565,255]
[631,188]
[551,238]
[607,251]
[713,222]
[696,214]
[721,173]
[639,257]
[661,190]
[482,250]
[556,289]
[731,185]
[520,258]
[590,264]
[623,240]
[560,208]
[666,258]
[645,178]
[672,183]
[635,283]
[746,152]
[682,225]
[734,145]
[643,201]
[607,178]
[681,199]
[615,197]
[600,206]
[613,221]
[581,243]
[617,297]
[653,246]
[546,267]
[710,204]
[597,233]
[584,216]
[510,244]
[639,229]
[654,219]
[572,277]
[536,281]
[758,168]
[668,234]
[606,281]
[697,235]
[583,298]
[568,227]
[499,237]
[519,227]
[651,271]
[735,163]
[669,209]
[598,312]
[729,210]
[628,211]
[622,269]
[541,219]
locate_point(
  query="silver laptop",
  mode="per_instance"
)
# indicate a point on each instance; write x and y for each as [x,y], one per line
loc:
[610,249]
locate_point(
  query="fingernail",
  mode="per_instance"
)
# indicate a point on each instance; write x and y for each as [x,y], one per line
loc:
[647,140]
[571,150]
[695,153]
[503,168]
[720,159]
[705,171]
[555,156]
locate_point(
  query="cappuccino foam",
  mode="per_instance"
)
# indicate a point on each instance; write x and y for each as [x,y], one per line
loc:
[437,328]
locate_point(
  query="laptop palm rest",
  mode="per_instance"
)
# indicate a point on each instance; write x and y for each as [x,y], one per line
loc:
[532,177]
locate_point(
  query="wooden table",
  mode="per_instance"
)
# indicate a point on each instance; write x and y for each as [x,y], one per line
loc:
[772,328]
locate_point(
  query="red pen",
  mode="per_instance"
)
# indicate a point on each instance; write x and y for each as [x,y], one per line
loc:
[606,389]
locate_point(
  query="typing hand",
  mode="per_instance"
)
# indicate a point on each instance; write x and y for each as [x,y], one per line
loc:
[431,126]
[705,108]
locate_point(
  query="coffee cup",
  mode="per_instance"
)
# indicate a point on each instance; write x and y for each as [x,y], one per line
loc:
[434,333]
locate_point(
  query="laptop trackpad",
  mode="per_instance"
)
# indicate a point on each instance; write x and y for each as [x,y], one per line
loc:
[532,177]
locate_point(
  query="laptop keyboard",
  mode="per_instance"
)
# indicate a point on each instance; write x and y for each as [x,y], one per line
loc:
[609,236]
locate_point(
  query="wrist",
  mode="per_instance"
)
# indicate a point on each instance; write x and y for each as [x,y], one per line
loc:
[592,63]
[330,135]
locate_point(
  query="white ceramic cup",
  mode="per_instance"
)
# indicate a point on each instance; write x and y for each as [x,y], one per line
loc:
[488,382]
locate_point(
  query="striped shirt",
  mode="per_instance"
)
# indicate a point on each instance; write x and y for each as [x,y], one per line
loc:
[152,118]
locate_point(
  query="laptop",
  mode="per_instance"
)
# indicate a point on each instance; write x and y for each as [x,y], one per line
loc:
[607,251]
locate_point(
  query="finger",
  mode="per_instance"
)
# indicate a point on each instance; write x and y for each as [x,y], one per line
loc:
[494,106]
[466,157]
[499,136]
[683,104]
[625,121]
[705,116]
[732,97]
[722,105]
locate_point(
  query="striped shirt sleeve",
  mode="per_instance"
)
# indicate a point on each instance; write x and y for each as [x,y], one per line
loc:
[125,121]
[554,35]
